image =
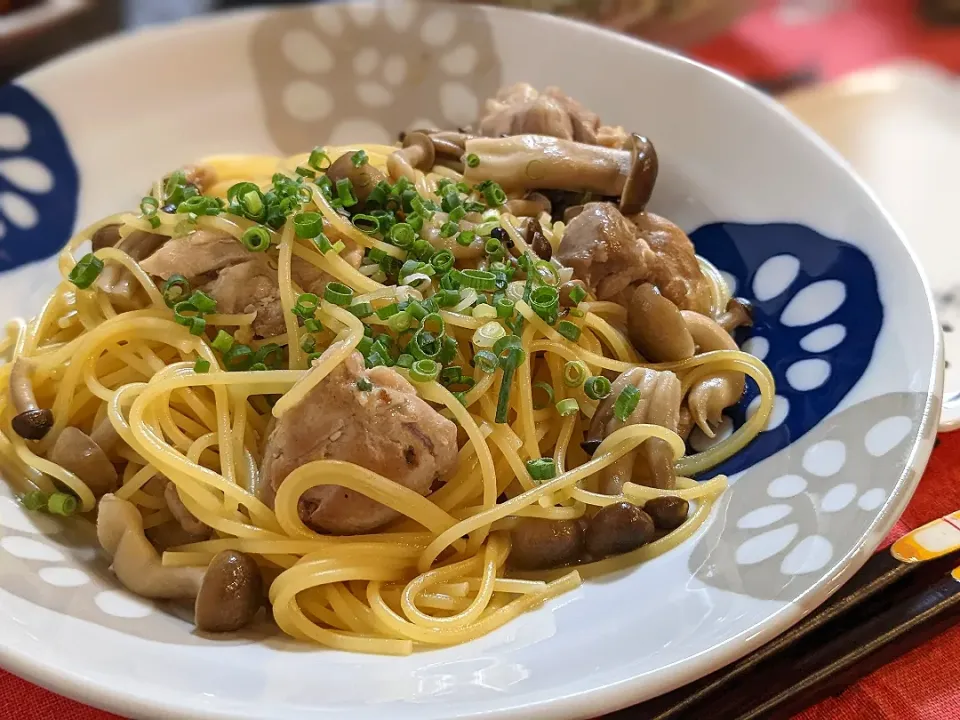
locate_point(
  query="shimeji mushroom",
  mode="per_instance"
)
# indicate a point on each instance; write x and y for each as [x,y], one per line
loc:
[539,162]
[31,421]
[417,152]
[227,593]
[658,403]
[119,283]
[656,327]
[709,397]
[86,456]
[738,313]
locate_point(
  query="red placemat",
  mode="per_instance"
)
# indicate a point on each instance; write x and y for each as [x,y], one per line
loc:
[785,43]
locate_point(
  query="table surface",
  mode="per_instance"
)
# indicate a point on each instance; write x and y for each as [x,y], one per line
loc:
[783,45]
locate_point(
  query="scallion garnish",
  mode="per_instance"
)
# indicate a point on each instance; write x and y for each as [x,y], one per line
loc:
[255,238]
[510,359]
[473,160]
[319,160]
[359,158]
[486,361]
[307,225]
[626,402]
[571,331]
[569,406]
[201,366]
[338,294]
[542,469]
[238,357]
[477,279]
[597,387]
[62,504]
[545,389]
[425,370]
[364,385]
[575,373]
[361,310]
[85,272]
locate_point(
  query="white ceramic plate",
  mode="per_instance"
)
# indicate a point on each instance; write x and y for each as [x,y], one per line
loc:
[844,319]
[899,126]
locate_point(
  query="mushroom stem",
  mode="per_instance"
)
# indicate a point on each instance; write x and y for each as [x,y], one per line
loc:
[709,396]
[75,451]
[530,162]
[31,422]
[105,436]
[135,562]
[417,152]
[739,313]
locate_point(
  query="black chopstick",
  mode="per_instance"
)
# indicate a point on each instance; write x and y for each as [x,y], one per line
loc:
[882,582]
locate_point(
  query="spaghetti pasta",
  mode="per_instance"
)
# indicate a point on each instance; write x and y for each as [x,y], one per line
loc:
[427,296]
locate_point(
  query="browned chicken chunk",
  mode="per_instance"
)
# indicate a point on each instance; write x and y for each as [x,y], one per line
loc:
[386,428]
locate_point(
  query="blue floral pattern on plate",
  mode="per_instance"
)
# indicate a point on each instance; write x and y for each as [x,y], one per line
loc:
[817,316]
[39,182]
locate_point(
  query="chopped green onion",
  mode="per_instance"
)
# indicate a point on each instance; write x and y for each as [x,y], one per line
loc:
[175,289]
[338,294]
[450,201]
[473,160]
[488,334]
[478,279]
[238,357]
[148,208]
[544,301]
[222,342]
[433,323]
[306,305]
[257,367]
[255,238]
[447,298]
[505,307]
[442,260]
[494,194]
[345,192]
[361,310]
[202,302]
[305,172]
[62,504]
[466,238]
[487,228]
[542,469]
[510,359]
[484,312]
[406,361]
[486,361]
[546,388]
[312,325]
[569,406]
[388,311]
[308,343]
[367,224]
[597,387]
[457,214]
[424,345]
[201,366]
[317,159]
[364,385]
[402,235]
[492,246]
[359,158]
[403,320]
[424,370]
[571,331]
[578,294]
[270,355]
[449,229]
[34,501]
[313,356]
[548,272]
[307,225]
[626,402]
[448,351]
[451,374]
[86,271]
[416,310]
[575,373]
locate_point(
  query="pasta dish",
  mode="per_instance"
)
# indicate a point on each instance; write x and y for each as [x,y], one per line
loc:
[397,395]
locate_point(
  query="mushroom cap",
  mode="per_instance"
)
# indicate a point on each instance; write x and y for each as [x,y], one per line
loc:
[540,544]
[231,593]
[738,313]
[536,240]
[75,451]
[364,177]
[422,141]
[33,424]
[107,236]
[617,529]
[642,178]
[446,148]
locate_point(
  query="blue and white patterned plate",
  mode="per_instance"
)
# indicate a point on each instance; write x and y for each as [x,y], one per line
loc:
[844,319]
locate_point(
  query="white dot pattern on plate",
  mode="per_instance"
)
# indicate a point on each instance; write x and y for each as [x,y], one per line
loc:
[460,61]
[761,517]
[872,499]
[306,100]
[757,346]
[14,517]
[456,97]
[700,442]
[29,549]
[809,555]
[438,29]
[781,408]
[786,486]
[775,276]
[18,210]
[887,434]
[306,52]
[14,134]
[765,545]
[731,281]
[808,374]
[838,497]
[366,60]
[814,303]
[395,69]
[373,94]
[826,458]
[63,576]
[27,174]
[824,338]
[120,603]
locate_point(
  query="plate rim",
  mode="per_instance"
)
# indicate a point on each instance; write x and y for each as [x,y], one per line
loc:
[601,698]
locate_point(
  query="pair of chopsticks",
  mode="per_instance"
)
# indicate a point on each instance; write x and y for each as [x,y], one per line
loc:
[901,598]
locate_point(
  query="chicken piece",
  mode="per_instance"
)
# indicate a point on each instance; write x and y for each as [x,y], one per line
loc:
[387,429]
[601,247]
[248,287]
[675,270]
[519,109]
[197,254]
